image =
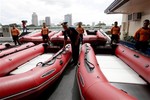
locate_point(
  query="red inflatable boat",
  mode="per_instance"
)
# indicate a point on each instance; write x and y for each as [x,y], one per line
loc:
[35,38]
[92,37]
[137,61]
[92,83]
[58,39]
[15,49]
[19,85]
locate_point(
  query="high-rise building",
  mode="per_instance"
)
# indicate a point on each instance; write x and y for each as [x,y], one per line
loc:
[34,19]
[41,22]
[48,21]
[68,18]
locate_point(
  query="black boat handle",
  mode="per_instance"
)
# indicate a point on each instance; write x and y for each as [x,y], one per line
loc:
[39,63]
[28,46]
[137,56]
[60,62]
[88,63]
[147,65]
[10,59]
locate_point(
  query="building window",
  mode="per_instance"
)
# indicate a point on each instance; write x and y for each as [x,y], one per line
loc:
[130,17]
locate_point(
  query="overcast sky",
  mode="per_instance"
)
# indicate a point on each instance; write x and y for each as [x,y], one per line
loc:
[87,11]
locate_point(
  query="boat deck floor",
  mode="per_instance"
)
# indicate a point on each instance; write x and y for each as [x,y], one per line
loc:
[116,71]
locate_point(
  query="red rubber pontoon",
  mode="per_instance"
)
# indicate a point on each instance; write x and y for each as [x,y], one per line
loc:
[35,38]
[2,47]
[94,38]
[15,49]
[137,61]
[14,85]
[92,83]
[58,39]
[34,33]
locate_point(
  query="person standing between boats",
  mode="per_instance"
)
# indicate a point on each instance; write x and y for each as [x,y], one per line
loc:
[115,31]
[24,26]
[80,30]
[142,36]
[44,32]
[75,40]
[15,35]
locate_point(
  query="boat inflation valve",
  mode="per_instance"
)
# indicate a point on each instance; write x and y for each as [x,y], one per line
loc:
[10,59]
[98,77]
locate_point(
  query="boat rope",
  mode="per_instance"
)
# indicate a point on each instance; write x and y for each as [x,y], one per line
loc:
[53,59]
[89,64]
[87,49]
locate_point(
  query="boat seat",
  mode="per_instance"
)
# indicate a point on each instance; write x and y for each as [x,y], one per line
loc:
[31,64]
